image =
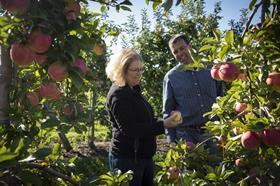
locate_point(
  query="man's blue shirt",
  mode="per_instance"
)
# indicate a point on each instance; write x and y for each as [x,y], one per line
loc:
[192,93]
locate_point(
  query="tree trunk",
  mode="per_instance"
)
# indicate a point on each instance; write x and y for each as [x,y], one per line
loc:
[91,123]
[5,80]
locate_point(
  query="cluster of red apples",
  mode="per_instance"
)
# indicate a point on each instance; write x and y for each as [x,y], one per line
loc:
[35,49]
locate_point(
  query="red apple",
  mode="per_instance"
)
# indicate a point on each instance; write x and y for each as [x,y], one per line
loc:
[39,42]
[21,55]
[70,16]
[80,64]
[173,173]
[271,137]
[33,98]
[243,77]
[71,109]
[273,80]
[50,91]
[238,162]
[229,72]
[250,140]
[57,71]
[81,108]
[252,172]
[40,59]
[239,107]
[68,110]
[15,6]
[215,72]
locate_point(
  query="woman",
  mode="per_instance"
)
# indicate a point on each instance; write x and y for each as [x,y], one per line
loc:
[134,127]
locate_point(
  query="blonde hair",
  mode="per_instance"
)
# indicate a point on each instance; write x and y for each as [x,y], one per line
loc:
[118,65]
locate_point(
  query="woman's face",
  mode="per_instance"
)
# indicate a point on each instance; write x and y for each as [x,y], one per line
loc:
[134,73]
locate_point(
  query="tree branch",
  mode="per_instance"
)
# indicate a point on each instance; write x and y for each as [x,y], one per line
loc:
[250,18]
[48,170]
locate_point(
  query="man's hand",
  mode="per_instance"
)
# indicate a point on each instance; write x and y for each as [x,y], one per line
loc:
[173,120]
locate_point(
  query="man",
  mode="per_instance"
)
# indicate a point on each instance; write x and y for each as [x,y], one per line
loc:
[190,92]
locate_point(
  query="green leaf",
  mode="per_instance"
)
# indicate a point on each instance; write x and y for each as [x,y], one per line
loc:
[243,183]
[211,176]
[210,40]
[76,78]
[8,164]
[167,5]
[41,153]
[217,33]
[205,47]
[224,50]
[126,2]
[156,4]
[178,2]
[50,123]
[252,4]
[80,128]
[106,177]
[56,149]
[227,174]
[29,177]
[230,37]
[125,8]
[247,39]
[7,156]
[21,144]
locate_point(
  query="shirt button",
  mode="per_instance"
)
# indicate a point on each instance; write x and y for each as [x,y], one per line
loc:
[195,83]
[198,94]
[202,105]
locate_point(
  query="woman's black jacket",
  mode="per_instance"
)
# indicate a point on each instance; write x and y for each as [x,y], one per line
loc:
[133,124]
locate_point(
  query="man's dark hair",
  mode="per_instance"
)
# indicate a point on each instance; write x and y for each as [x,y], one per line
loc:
[178,37]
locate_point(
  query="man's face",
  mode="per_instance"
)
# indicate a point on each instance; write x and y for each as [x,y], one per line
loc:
[180,51]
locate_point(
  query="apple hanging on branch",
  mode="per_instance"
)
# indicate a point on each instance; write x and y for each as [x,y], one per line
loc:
[273,80]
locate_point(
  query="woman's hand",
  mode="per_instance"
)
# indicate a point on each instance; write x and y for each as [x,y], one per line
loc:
[173,120]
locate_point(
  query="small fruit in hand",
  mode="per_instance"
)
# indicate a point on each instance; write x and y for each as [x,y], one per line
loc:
[99,49]
[178,116]
[173,173]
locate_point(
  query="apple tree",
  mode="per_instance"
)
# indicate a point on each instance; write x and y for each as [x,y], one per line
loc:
[52,59]
[248,129]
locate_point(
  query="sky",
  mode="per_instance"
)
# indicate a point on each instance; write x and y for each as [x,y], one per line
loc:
[230,10]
